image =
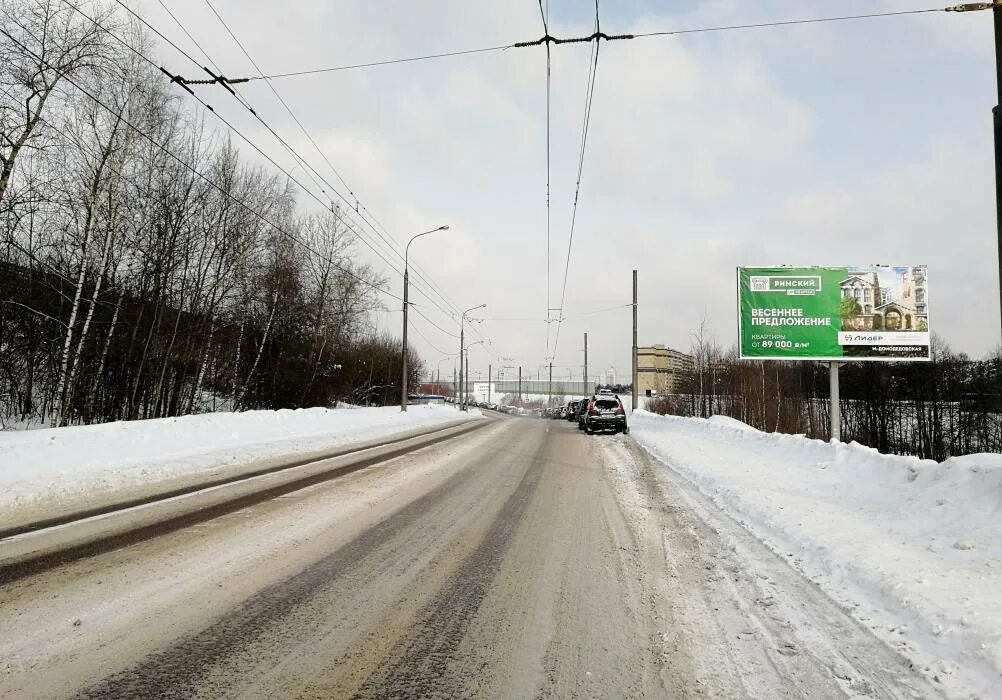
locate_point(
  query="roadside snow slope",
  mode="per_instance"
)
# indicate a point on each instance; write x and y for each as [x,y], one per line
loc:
[39,468]
[913,547]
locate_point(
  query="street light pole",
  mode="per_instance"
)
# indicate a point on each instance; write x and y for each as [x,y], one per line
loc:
[439,370]
[407,249]
[462,386]
[466,389]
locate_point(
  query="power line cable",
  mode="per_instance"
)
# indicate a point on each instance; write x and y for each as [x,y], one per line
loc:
[546,32]
[598,311]
[389,62]
[388,243]
[420,274]
[586,121]
[790,22]
[236,93]
[247,140]
[547,39]
[191,38]
[417,310]
[425,339]
[226,83]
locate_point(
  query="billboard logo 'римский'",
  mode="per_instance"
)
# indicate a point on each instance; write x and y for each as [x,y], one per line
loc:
[792,286]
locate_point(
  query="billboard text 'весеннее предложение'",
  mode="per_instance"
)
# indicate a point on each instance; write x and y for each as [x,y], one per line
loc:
[876,312]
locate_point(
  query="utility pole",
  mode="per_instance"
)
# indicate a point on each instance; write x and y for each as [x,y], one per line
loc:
[403,375]
[634,358]
[403,379]
[520,385]
[462,387]
[454,394]
[997,119]
[586,367]
[488,383]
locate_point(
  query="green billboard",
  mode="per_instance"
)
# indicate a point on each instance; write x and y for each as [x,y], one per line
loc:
[876,312]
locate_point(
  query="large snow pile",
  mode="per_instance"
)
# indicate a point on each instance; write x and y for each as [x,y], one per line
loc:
[913,547]
[39,468]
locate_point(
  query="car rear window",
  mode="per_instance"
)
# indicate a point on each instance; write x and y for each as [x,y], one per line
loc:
[606,403]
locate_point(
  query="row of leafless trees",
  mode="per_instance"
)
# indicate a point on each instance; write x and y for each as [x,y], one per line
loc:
[949,406]
[146,269]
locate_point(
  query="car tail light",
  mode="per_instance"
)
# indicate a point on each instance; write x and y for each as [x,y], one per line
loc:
[592,409]
[621,411]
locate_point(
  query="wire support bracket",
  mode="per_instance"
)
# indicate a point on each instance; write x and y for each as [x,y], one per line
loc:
[220,79]
[550,39]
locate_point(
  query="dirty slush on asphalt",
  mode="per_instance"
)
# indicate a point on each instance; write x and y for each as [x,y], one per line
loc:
[528,561]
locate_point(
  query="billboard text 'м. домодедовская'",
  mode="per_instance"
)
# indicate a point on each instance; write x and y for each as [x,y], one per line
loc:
[878,312]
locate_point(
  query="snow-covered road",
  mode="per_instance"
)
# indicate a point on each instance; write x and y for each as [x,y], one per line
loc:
[44,473]
[912,548]
[525,559]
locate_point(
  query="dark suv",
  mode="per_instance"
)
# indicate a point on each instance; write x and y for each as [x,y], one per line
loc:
[579,415]
[605,412]
[571,412]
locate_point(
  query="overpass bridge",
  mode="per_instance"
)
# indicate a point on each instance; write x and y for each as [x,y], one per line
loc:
[532,386]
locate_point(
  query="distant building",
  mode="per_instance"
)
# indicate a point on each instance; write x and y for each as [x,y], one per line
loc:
[609,377]
[661,369]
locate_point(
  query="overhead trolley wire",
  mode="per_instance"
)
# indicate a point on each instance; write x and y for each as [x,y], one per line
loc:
[236,93]
[586,122]
[277,95]
[372,64]
[421,276]
[789,22]
[419,272]
[431,344]
[212,183]
[417,310]
[548,39]
[247,106]
[544,15]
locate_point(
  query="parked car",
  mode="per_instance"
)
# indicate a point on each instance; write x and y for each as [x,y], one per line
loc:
[571,410]
[606,413]
[582,411]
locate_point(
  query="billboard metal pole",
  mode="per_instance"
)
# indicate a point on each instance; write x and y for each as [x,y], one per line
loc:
[488,383]
[836,416]
[586,367]
[520,385]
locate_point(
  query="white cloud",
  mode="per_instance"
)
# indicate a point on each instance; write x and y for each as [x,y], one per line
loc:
[823,144]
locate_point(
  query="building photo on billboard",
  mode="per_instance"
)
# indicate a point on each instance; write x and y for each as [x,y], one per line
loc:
[873,312]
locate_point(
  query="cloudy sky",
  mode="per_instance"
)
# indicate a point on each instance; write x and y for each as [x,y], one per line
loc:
[828,144]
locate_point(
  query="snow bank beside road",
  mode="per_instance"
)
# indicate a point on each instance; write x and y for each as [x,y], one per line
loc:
[913,546]
[39,468]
